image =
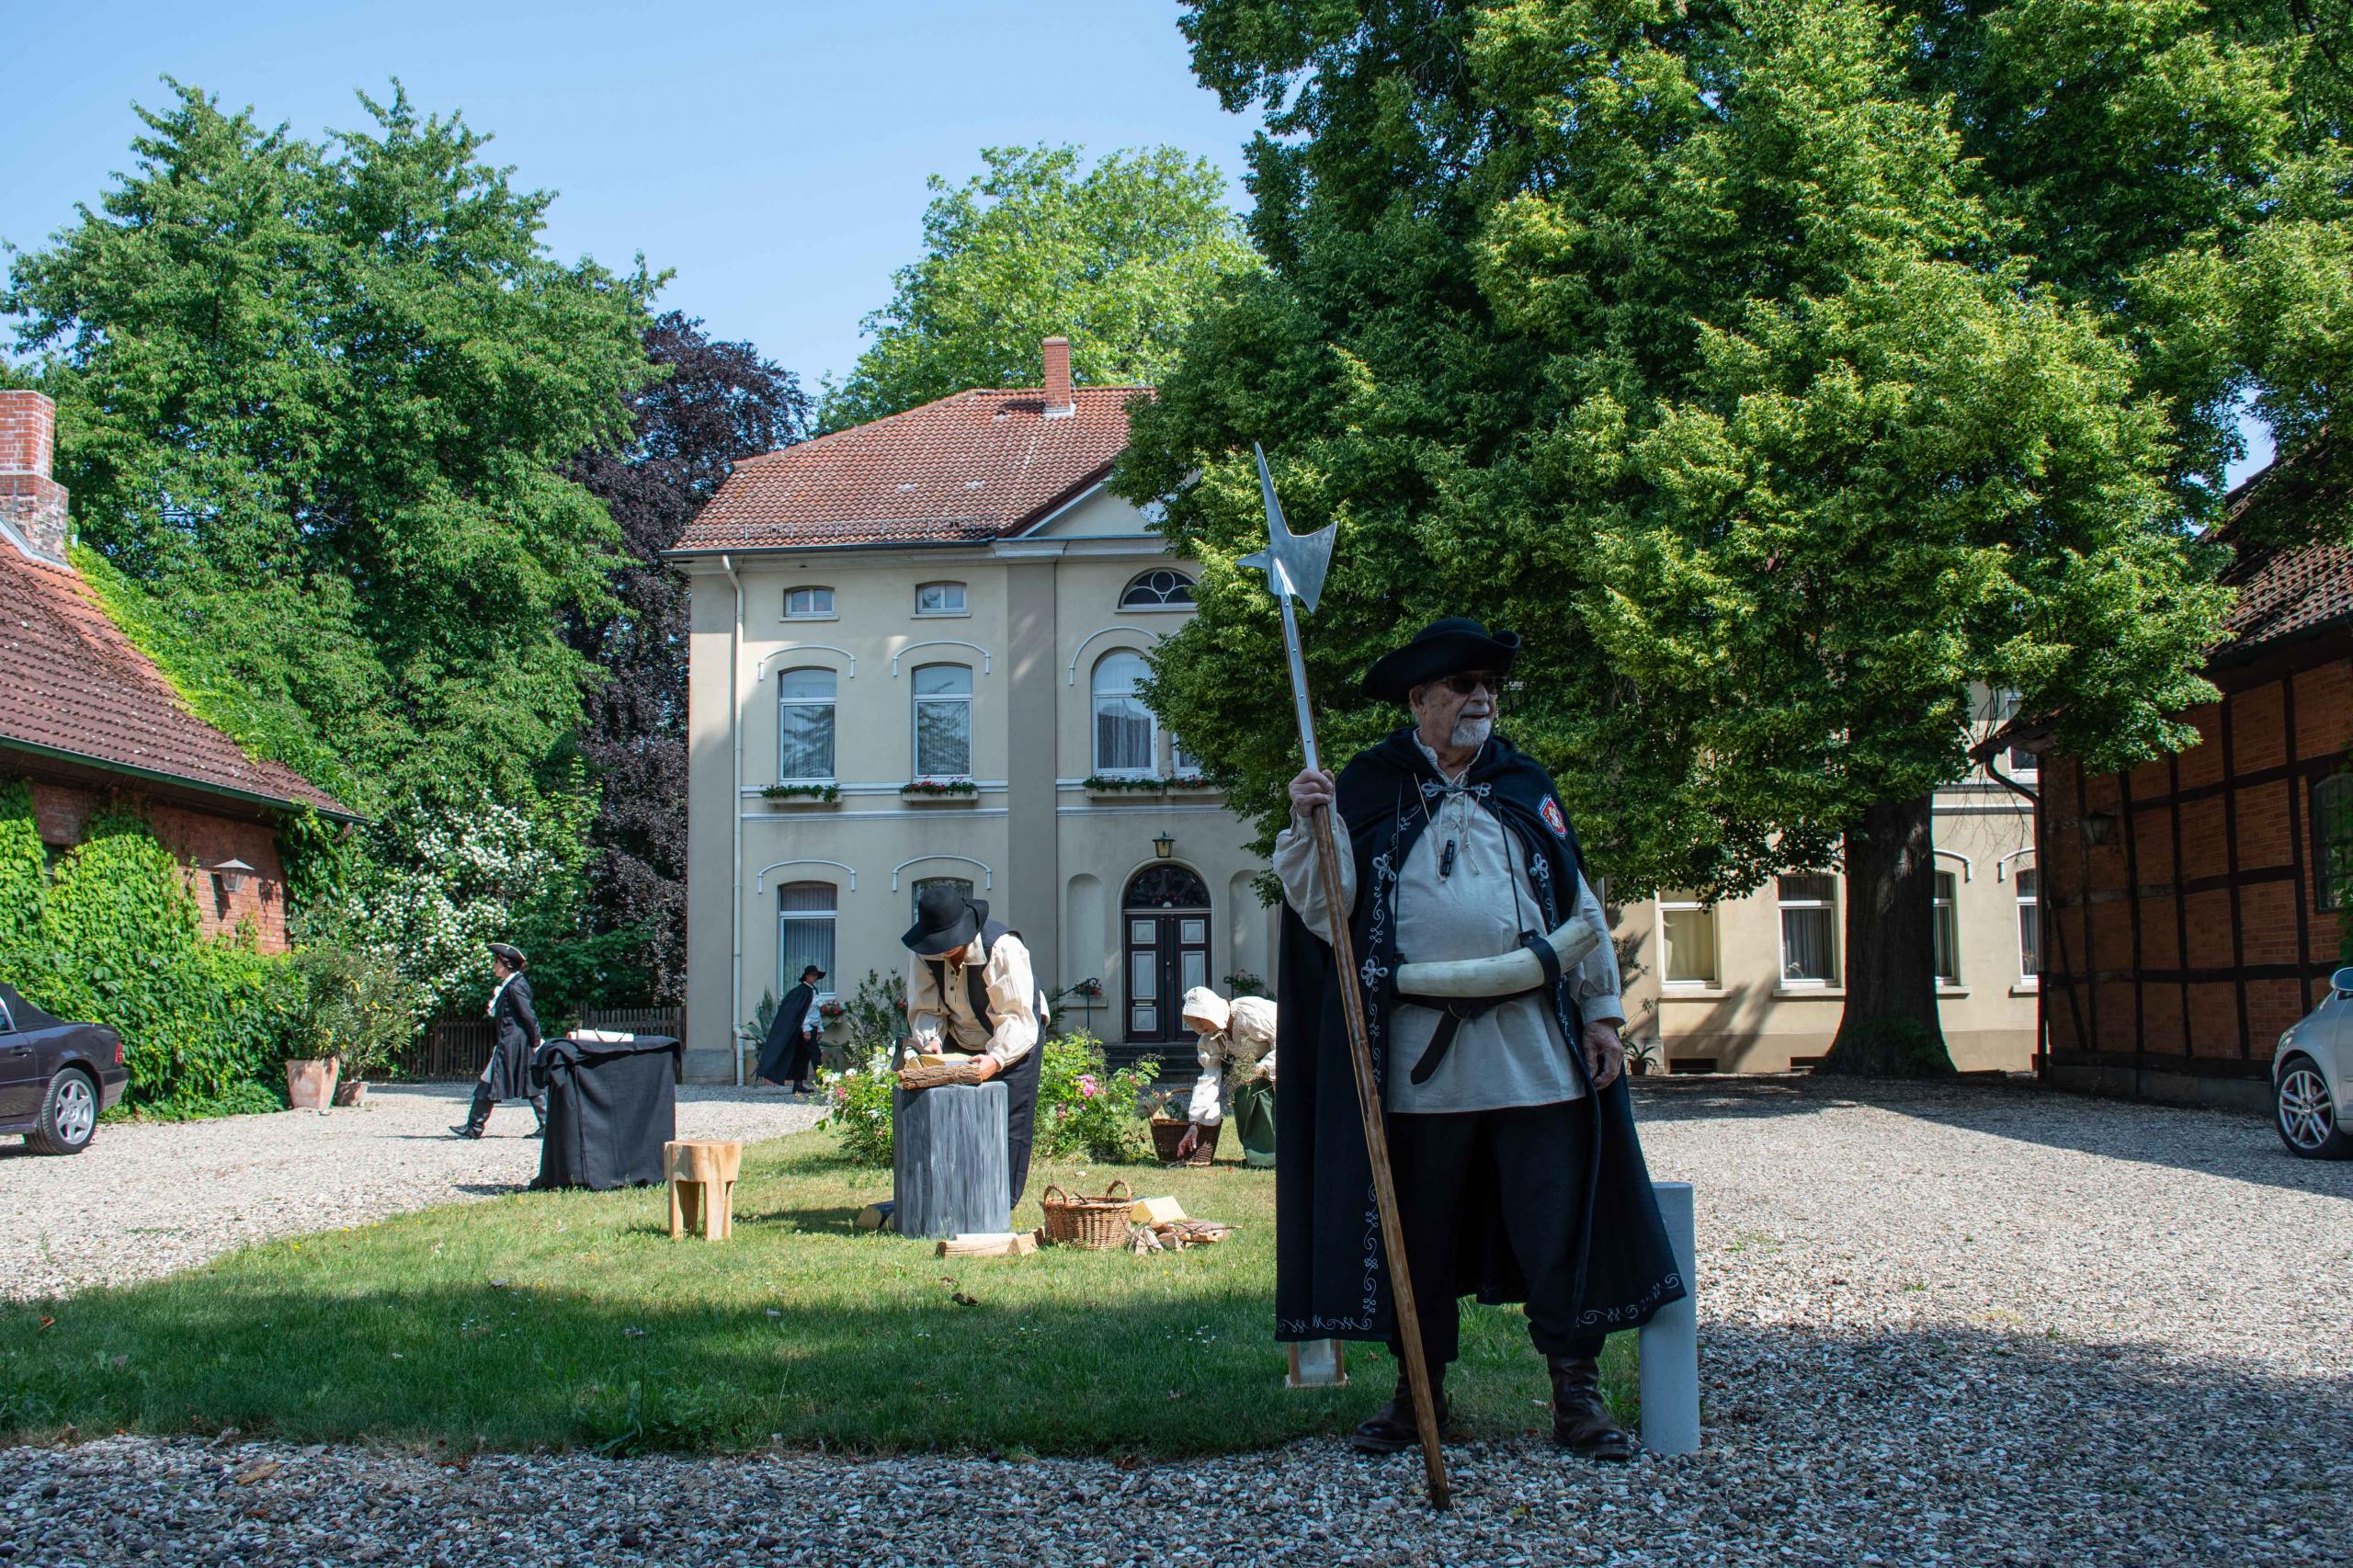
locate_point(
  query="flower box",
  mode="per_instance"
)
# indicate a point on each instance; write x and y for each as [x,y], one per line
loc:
[802,797]
[939,792]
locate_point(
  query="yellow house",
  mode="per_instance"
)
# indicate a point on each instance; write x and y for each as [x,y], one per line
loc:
[914,649]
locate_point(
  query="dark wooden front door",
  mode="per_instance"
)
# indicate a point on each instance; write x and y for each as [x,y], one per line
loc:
[1167,924]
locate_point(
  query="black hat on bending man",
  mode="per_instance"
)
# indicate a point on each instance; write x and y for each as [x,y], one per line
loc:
[1442,648]
[946,921]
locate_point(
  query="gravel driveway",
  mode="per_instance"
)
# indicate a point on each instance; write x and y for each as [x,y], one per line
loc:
[1939,1325]
[146,1199]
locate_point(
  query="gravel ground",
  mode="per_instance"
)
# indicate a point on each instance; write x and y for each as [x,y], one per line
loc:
[147,1199]
[1964,1325]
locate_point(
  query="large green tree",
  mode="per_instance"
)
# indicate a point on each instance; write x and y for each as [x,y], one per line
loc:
[318,404]
[1118,257]
[1709,342]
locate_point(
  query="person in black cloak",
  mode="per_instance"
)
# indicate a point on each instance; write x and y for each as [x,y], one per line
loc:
[970,986]
[789,1054]
[1519,1175]
[508,1075]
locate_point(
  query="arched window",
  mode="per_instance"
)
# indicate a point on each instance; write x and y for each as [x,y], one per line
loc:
[1158,589]
[805,725]
[1126,740]
[963,886]
[943,696]
[804,930]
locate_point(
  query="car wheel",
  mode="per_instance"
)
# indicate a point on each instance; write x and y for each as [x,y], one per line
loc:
[2305,1115]
[69,1114]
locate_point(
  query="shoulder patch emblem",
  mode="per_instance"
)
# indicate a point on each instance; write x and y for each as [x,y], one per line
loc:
[1554,819]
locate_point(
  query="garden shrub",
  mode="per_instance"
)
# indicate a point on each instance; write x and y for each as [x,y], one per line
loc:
[115,938]
[1084,1111]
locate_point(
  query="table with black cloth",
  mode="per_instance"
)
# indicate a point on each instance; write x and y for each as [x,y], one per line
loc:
[611,1106]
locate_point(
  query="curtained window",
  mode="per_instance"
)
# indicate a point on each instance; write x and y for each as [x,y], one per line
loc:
[1809,929]
[804,932]
[1945,933]
[944,722]
[1123,725]
[805,725]
[808,604]
[2030,886]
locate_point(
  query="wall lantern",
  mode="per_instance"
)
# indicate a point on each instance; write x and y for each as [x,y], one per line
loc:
[232,875]
[1163,845]
[2098,826]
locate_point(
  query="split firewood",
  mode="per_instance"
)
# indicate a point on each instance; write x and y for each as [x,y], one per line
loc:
[1157,1210]
[1142,1240]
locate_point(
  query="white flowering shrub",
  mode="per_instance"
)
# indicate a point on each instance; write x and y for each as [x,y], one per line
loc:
[446,882]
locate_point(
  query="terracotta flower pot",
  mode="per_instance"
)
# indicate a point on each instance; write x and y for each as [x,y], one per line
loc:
[310,1083]
[352,1092]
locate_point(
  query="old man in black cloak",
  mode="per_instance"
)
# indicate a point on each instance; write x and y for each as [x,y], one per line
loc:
[1519,1175]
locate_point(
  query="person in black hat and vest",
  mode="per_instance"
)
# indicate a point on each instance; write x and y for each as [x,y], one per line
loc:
[971,988]
[1517,1171]
[508,1075]
[789,1054]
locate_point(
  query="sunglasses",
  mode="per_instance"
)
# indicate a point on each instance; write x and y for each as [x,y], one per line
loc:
[1464,685]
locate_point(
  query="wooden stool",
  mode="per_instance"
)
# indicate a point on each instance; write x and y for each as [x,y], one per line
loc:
[702,1183]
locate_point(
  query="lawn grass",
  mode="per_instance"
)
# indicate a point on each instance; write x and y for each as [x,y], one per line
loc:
[571,1320]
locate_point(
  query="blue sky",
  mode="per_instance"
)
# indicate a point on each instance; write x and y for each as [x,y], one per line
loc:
[773,156]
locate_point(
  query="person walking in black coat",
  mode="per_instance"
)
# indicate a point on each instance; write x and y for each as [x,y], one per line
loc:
[789,1054]
[508,1075]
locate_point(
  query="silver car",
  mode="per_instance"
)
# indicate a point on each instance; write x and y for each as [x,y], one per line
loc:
[2312,1078]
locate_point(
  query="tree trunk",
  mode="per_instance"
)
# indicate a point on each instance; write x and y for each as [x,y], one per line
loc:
[1890,1028]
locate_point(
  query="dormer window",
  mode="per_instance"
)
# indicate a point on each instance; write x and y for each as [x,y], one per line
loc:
[1162,589]
[809,604]
[940,598]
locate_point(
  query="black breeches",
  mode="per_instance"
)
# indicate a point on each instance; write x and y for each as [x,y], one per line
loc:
[1539,1154]
[1021,1116]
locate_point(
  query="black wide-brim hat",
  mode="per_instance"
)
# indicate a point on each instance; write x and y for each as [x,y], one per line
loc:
[946,922]
[512,955]
[1442,648]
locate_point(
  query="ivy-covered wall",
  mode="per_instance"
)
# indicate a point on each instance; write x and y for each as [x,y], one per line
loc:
[114,936]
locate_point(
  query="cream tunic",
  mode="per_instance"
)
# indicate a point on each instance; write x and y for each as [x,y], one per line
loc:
[935,1020]
[1513,1055]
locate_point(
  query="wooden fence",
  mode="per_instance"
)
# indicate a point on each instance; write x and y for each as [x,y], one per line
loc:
[453,1051]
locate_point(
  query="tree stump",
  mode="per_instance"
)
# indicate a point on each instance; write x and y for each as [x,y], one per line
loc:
[703,1186]
[948,1159]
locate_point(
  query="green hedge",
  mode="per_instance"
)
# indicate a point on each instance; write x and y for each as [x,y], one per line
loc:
[115,937]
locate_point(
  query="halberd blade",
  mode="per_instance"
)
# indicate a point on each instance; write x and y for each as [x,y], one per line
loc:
[1294,563]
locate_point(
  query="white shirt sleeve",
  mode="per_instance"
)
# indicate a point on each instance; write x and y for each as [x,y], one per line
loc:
[1595,986]
[1302,879]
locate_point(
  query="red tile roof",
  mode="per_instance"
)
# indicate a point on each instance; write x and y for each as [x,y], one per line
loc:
[2284,590]
[75,684]
[977,466]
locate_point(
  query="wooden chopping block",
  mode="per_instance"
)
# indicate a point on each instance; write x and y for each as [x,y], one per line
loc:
[1155,1211]
[989,1243]
[702,1175]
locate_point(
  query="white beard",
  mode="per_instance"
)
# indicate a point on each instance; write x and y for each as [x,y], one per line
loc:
[1471,734]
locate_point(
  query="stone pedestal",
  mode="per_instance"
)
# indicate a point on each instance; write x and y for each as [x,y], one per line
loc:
[948,1160]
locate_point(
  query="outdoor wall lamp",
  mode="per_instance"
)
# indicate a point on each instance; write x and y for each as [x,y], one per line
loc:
[2098,826]
[1162,846]
[232,875]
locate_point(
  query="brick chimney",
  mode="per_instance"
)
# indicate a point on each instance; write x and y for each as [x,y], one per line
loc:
[32,505]
[1059,402]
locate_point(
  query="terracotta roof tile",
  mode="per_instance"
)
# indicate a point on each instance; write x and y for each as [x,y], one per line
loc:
[977,466]
[2284,590]
[75,684]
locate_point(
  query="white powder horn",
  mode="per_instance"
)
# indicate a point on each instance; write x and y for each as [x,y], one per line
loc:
[1506,975]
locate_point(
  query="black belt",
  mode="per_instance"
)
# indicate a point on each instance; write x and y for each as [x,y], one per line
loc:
[1452,1014]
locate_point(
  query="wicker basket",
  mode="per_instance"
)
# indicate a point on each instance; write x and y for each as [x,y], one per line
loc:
[1167,1131]
[1094,1223]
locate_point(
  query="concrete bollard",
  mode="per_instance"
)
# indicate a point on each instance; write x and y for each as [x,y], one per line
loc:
[1670,1341]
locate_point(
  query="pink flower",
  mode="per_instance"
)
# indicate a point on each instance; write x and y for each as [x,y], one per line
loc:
[1088,1087]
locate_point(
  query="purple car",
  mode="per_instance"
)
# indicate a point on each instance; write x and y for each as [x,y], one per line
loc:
[55,1077]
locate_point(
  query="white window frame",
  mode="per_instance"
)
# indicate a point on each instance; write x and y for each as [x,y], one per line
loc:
[1782,931]
[1681,903]
[828,613]
[915,722]
[1939,900]
[961,607]
[1157,606]
[786,917]
[833,708]
[2029,978]
[1094,696]
[2002,706]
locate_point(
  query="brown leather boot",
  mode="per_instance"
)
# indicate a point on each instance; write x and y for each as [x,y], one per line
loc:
[1389,1430]
[1580,1421]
